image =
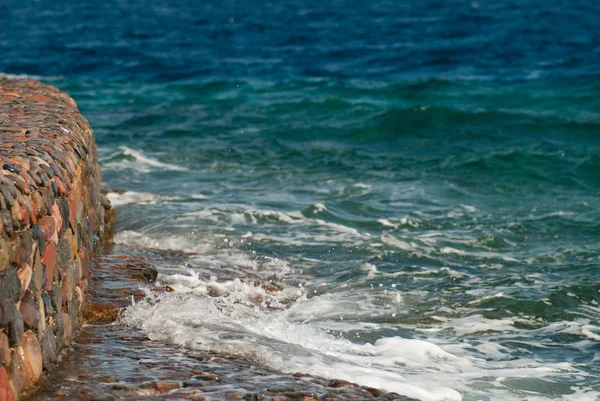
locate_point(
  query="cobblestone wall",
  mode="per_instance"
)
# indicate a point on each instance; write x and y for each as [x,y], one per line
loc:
[52,217]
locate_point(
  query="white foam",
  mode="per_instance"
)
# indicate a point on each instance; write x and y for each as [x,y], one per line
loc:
[213,252]
[141,162]
[391,240]
[226,324]
[370,269]
[319,207]
[449,250]
[36,77]
[140,157]
[128,197]
[468,208]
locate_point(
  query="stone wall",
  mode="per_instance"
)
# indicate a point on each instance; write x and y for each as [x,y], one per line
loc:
[52,217]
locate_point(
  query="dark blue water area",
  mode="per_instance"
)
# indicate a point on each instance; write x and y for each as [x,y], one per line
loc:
[433,163]
[402,40]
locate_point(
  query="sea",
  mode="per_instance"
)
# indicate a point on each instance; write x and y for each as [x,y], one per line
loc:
[402,194]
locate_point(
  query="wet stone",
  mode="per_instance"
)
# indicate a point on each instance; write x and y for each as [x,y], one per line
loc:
[253,397]
[234,395]
[283,389]
[165,386]
[340,384]
[302,395]
[373,391]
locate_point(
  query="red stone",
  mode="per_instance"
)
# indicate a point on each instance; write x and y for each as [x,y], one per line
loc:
[32,210]
[25,214]
[62,188]
[48,225]
[3,378]
[49,259]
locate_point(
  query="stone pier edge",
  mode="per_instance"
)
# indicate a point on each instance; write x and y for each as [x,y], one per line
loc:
[53,216]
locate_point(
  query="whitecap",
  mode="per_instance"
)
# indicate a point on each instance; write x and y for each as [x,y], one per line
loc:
[128,197]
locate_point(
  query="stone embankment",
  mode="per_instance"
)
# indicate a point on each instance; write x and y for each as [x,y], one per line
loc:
[52,217]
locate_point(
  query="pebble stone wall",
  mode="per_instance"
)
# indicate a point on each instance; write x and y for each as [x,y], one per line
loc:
[52,217]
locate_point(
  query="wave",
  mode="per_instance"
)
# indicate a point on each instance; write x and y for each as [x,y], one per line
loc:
[51,78]
[131,159]
[227,324]
[133,197]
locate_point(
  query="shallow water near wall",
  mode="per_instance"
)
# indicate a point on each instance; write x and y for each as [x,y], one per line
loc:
[403,196]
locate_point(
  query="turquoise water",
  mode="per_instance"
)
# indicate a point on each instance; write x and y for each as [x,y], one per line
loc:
[462,214]
[420,182]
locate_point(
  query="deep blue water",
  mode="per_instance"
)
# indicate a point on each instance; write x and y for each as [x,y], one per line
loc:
[421,179]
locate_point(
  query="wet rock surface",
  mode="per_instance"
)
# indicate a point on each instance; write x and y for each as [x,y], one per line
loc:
[113,362]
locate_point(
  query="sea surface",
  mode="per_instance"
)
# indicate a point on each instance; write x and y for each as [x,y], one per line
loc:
[403,194]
